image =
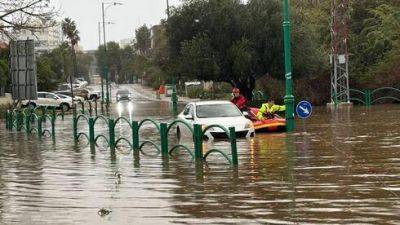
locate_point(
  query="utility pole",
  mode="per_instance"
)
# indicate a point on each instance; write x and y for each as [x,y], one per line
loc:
[167,9]
[289,98]
[340,90]
[174,96]
[102,75]
[105,66]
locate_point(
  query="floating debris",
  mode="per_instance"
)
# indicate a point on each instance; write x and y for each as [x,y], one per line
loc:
[104,212]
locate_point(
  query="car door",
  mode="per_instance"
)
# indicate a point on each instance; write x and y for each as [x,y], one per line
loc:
[52,100]
[188,111]
[41,100]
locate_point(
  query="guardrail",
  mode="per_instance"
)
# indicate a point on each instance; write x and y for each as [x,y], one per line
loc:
[32,120]
[89,107]
[369,97]
[136,144]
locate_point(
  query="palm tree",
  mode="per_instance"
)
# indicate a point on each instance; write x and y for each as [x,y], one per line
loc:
[69,30]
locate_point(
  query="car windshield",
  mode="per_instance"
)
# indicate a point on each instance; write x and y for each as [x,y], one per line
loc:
[214,110]
[62,96]
[123,92]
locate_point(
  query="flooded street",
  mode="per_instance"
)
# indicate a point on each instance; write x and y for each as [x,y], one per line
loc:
[337,168]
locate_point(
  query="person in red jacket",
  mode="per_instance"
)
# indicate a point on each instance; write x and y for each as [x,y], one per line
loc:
[238,99]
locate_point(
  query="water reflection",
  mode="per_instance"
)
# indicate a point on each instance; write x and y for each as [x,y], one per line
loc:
[338,167]
[125,108]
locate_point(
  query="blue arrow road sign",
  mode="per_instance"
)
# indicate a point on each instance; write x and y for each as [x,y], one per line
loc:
[304,109]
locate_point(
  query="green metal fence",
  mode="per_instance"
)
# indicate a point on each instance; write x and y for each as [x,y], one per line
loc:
[33,120]
[42,120]
[369,97]
[136,144]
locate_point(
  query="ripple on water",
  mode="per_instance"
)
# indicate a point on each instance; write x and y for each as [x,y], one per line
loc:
[338,169]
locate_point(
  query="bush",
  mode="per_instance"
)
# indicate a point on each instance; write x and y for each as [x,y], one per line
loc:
[195,92]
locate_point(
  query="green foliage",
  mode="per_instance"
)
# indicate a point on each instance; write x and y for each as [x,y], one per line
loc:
[377,45]
[46,77]
[234,42]
[194,92]
[113,59]
[198,59]
[70,30]
[143,42]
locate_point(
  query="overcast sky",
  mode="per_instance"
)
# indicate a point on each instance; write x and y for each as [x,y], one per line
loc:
[127,17]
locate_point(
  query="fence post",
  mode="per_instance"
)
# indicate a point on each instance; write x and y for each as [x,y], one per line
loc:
[111,126]
[53,122]
[8,119]
[83,107]
[368,97]
[19,120]
[75,124]
[90,108]
[62,113]
[91,132]
[28,123]
[39,126]
[164,139]
[95,106]
[232,139]
[135,135]
[198,143]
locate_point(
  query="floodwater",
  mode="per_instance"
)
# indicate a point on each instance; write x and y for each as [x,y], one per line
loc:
[337,168]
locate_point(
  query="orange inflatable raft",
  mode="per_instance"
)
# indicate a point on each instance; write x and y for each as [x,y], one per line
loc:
[266,125]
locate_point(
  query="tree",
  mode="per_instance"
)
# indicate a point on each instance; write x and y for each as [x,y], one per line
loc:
[143,42]
[70,31]
[113,58]
[374,43]
[30,15]
[46,77]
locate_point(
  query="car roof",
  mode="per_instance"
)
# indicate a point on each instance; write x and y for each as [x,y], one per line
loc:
[123,91]
[216,102]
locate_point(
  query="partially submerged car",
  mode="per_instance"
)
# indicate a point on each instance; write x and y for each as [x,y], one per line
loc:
[222,113]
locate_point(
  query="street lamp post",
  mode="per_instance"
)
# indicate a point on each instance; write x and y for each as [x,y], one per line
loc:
[289,98]
[105,66]
[102,76]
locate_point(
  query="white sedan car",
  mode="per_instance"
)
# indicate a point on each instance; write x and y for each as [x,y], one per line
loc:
[49,99]
[222,113]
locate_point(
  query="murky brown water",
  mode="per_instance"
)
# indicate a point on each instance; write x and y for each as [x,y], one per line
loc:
[337,168]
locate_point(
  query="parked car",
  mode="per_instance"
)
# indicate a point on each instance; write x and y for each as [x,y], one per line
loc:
[81,82]
[49,99]
[222,113]
[123,95]
[64,96]
[76,96]
[92,94]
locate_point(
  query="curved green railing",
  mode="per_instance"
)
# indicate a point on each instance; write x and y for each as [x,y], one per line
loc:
[231,134]
[25,119]
[368,96]
[22,119]
[150,121]
[179,146]
[91,109]
[119,120]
